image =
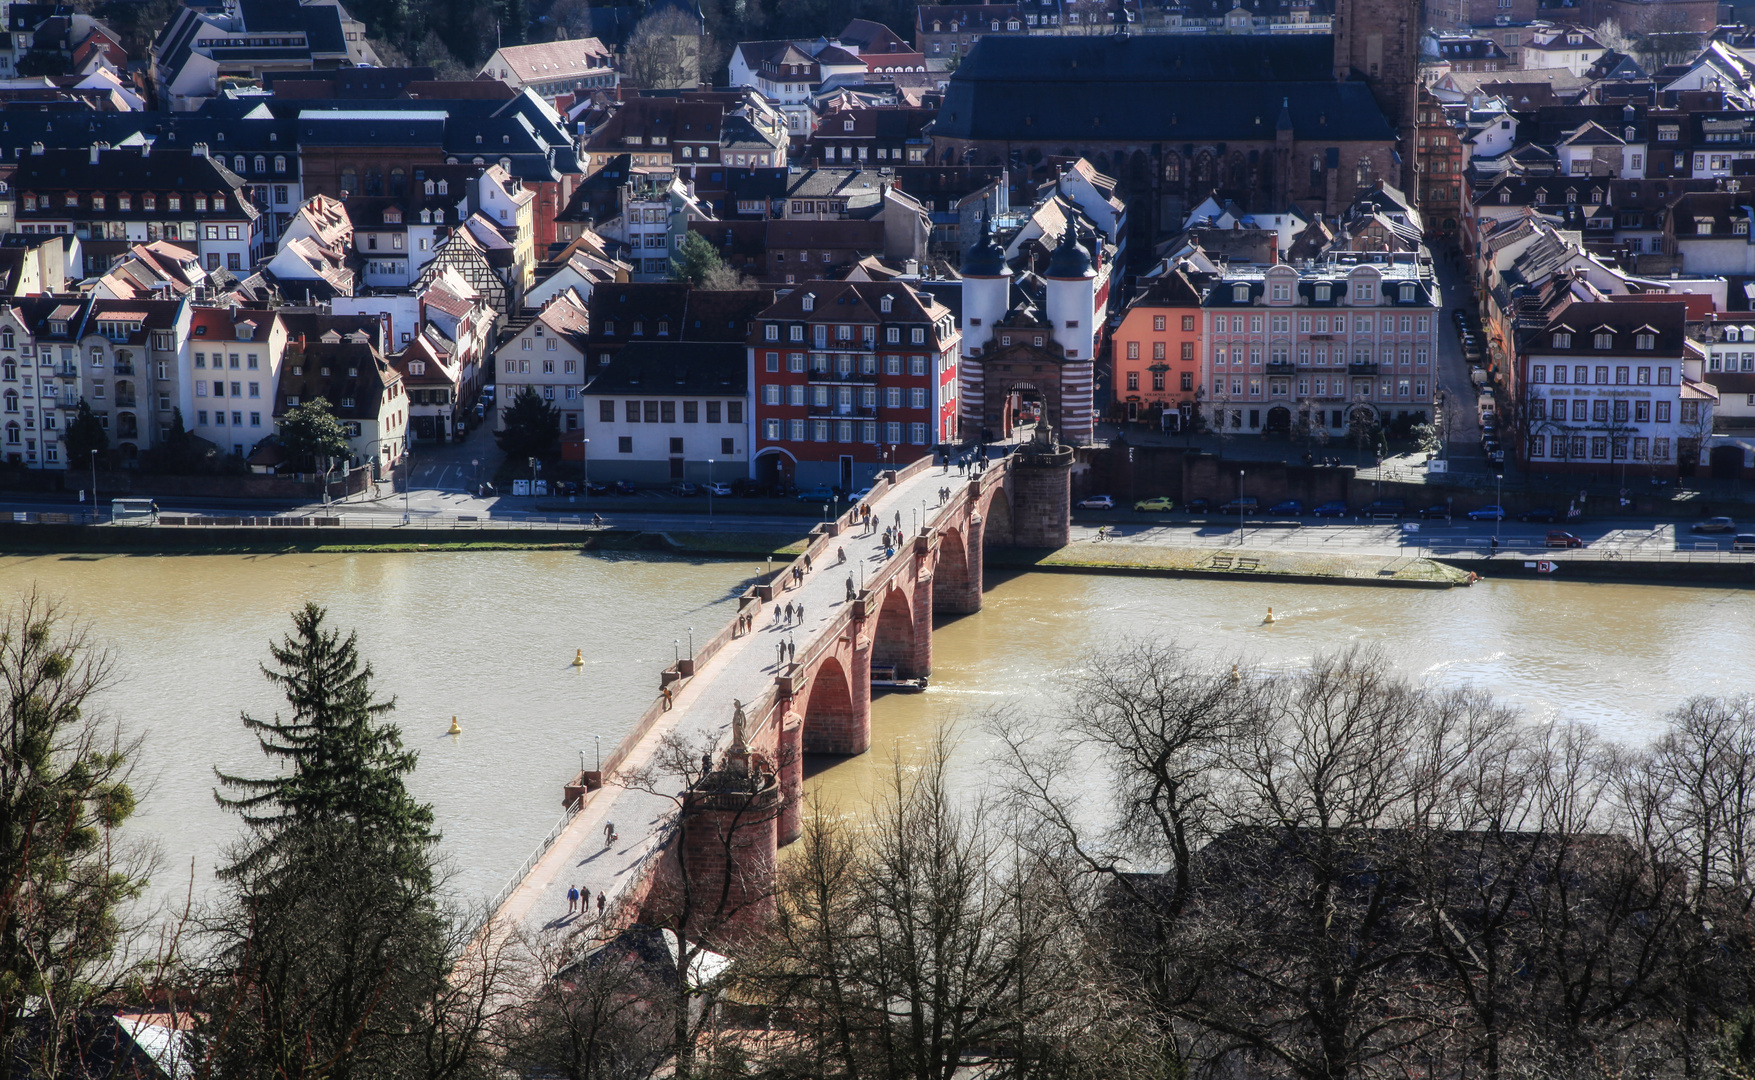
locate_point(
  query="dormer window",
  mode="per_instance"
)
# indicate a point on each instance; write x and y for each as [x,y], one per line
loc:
[810,301]
[1322,293]
[417,367]
[1562,340]
[1603,339]
[884,305]
[639,327]
[1407,294]
[1504,197]
[609,328]
[1644,340]
[1240,294]
[663,328]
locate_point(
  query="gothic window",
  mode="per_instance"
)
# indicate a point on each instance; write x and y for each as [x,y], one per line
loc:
[1203,168]
[350,181]
[1364,172]
[1172,167]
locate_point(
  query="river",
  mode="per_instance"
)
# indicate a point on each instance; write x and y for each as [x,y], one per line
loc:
[490,636]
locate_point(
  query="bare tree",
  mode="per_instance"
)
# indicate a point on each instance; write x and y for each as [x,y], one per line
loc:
[725,815]
[928,945]
[588,1010]
[665,52]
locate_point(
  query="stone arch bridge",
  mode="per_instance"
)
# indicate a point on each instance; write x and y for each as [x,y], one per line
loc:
[703,857]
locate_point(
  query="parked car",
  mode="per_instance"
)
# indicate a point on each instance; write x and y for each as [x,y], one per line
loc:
[1488,513]
[1248,504]
[1158,505]
[1560,538]
[685,490]
[1335,509]
[1384,508]
[1547,515]
[595,488]
[859,496]
[717,488]
[1743,542]
[1197,506]
[746,488]
[1714,525]
[1097,502]
[1289,508]
[821,493]
[622,487]
[1436,510]
[563,487]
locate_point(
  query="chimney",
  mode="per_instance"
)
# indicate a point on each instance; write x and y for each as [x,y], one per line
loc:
[94,153]
[199,149]
[36,149]
[146,149]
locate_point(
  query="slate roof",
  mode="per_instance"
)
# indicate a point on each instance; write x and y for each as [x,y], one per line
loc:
[675,367]
[1168,87]
[371,375]
[1584,318]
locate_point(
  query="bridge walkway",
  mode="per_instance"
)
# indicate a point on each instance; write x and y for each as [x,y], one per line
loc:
[743,670]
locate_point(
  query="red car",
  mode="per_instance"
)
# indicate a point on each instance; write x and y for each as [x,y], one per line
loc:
[1561,539]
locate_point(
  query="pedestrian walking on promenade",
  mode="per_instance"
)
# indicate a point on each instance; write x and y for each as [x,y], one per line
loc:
[572,900]
[600,905]
[801,613]
[807,565]
[608,833]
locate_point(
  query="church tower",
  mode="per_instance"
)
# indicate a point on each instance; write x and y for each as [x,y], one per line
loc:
[1379,41]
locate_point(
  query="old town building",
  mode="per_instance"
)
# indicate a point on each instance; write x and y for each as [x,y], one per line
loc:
[851,376]
[1341,347]
[1155,354]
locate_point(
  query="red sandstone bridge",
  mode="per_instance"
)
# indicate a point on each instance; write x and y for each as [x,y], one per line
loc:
[722,844]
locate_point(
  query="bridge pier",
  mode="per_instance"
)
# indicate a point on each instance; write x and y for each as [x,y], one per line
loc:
[1042,496]
[789,755]
[728,853]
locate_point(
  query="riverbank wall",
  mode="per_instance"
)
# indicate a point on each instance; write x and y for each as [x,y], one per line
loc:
[1150,560]
[58,538]
[1726,573]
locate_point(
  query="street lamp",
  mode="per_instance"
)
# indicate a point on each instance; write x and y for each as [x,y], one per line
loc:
[94,485]
[709,500]
[1240,508]
[691,643]
[587,453]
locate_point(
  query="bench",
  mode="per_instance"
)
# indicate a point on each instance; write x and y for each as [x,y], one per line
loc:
[1221,562]
[1246,562]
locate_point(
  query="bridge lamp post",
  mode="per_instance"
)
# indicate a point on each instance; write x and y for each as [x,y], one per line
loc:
[709,505]
[1241,509]
[676,650]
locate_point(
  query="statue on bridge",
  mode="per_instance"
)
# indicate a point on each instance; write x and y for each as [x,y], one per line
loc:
[852,593]
[738,724]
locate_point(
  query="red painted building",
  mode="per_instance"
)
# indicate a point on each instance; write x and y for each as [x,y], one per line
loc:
[849,377]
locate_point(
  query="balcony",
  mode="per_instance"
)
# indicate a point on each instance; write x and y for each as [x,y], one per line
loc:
[68,401]
[124,367]
[124,401]
[843,412]
[1361,369]
[1282,368]
[838,377]
[67,371]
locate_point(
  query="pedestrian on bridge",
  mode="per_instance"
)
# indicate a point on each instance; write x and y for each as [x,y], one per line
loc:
[792,650]
[584,900]
[788,613]
[807,564]
[840,555]
[801,614]
[851,594]
[608,833]
[572,900]
[776,619]
[600,905]
[780,660]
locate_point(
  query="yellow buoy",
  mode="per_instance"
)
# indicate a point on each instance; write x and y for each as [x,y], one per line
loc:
[578,657]
[1235,677]
[455,730]
[1270,616]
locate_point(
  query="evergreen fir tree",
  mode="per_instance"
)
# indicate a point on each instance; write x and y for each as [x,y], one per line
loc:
[346,763]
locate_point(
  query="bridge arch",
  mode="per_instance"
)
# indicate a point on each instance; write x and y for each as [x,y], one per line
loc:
[956,583]
[895,641]
[996,528]
[836,721]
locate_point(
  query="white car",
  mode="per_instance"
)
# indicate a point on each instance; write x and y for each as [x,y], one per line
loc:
[717,488]
[1097,502]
